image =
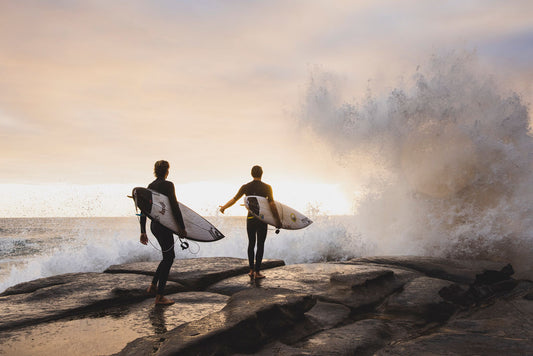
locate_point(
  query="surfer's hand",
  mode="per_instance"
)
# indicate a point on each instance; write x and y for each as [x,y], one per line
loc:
[221,209]
[144,239]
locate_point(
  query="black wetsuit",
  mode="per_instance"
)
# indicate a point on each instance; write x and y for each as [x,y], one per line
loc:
[255,228]
[163,235]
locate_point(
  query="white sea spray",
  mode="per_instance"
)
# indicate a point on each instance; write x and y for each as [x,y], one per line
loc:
[445,161]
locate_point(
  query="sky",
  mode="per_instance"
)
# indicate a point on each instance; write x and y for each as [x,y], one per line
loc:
[92,93]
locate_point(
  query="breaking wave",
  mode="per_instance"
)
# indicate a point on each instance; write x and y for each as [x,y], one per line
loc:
[443,164]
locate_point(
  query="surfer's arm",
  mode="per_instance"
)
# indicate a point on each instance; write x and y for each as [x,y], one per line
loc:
[179,217]
[274,210]
[142,221]
[144,237]
[233,200]
[227,205]
[176,209]
[273,207]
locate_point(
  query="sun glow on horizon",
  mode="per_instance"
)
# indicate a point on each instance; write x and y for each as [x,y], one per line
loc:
[110,200]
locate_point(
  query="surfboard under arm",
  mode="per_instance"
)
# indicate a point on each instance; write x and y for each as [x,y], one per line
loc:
[291,219]
[157,207]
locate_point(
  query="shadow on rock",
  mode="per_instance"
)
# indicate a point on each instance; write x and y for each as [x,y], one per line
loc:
[249,320]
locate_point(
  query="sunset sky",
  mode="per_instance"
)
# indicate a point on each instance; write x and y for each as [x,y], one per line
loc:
[92,93]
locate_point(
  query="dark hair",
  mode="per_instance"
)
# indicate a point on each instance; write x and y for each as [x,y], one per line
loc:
[161,169]
[257,171]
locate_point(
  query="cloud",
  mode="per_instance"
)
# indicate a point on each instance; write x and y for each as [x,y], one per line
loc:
[90,83]
[516,48]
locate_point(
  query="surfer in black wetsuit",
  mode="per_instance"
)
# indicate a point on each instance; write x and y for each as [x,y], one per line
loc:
[256,229]
[163,235]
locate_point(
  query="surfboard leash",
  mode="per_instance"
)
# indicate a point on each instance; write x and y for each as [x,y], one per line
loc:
[183,244]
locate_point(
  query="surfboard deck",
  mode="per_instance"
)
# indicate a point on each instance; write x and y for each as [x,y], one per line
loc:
[157,207]
[291,219]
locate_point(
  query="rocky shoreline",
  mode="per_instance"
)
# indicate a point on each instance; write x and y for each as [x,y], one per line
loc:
[401,305]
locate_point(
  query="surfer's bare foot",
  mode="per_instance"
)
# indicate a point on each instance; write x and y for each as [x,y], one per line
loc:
[251,274]
[258,275]
[151,289]
[162,300]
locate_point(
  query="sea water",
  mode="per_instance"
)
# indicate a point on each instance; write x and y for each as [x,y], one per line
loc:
[32,248]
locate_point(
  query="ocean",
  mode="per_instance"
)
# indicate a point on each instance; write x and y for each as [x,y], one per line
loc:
[440,166]
[32,248]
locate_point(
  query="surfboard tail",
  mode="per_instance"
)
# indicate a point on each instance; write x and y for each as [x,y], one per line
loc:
[143,199]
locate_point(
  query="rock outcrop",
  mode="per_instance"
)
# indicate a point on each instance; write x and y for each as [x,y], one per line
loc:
[376,305]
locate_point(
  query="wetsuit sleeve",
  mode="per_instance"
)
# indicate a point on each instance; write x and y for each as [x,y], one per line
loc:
[240,193]
[143,223]
[174,204]
[142,220]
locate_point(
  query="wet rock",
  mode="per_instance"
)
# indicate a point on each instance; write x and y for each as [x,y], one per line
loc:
[108,330]
[278,349]
[459,271]
[509,318]
[382,305]
[502,326]
[460,344]
[249,319]
[196,273]
[328,315]
[495,276]
[70,294]
[352,285]
[420,298]
[360,338]
[321,317]
[486,285]
[301,278]
[365,288]
[31,286]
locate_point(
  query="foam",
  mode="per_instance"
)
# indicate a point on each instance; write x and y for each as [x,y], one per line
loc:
[444,161]
[86,250]
[93,245]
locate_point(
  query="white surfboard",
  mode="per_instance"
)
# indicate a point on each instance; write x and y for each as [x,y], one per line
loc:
[157,207]
[290,219]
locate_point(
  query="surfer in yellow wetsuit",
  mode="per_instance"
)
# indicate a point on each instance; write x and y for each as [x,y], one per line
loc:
[163,235]
[256,229]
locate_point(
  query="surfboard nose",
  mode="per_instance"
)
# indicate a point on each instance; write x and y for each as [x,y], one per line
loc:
[143,199]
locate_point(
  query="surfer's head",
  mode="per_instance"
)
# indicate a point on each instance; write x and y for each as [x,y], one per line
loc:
[257,171]
[161,169]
